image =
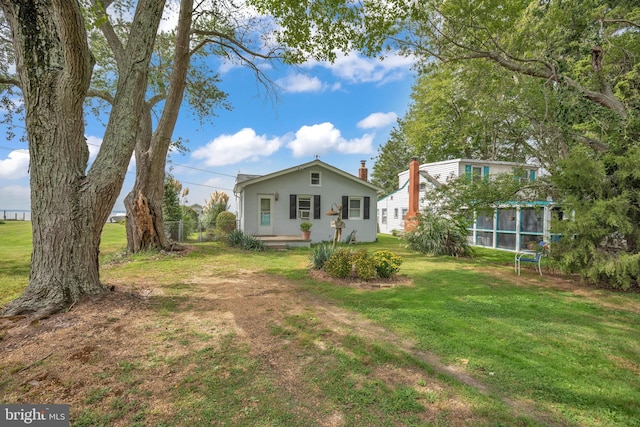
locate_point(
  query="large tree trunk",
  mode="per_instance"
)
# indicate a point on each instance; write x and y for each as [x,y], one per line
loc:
[145,224]
[70,206]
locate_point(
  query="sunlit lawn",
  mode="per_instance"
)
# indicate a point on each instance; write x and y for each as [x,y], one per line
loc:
[571,352]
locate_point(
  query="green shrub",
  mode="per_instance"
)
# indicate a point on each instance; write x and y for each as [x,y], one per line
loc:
[365,265]
[239,239]
[387,263]
[320,254]
[226,222]
[438,235]
[339,264]
[235,238]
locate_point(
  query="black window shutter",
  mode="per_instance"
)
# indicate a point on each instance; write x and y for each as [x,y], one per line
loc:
[345,207]
[316,206]
[367,203]
[293,206]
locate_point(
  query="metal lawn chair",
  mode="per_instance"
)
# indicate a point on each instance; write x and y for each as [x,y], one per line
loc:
[531,258]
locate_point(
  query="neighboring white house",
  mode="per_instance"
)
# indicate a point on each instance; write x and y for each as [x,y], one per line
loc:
[276,204]
[512,227]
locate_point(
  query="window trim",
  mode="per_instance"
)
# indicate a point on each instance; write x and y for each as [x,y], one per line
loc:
[360,209]
[308,211]
[319,184]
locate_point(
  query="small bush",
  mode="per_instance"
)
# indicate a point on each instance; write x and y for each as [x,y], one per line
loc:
[365,265]
[339,264]
[387,263]
[235,238]
[438,235]
[239,239]
[226,222]
[320,254]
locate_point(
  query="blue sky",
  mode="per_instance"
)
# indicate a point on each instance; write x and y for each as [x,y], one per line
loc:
[341,112]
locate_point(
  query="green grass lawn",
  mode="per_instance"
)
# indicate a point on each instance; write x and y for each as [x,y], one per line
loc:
[571,352]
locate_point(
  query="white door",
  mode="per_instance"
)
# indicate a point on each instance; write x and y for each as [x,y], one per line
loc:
[265,214]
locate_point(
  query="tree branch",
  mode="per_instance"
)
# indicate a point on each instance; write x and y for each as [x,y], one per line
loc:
[107,30]
[104,95]
[620,21]
[232,40]
[5,80]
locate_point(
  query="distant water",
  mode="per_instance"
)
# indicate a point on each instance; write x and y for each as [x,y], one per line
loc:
[25,215]
[15,215]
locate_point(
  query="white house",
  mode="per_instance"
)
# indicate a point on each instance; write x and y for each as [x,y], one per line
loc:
[276,204]
[512,226]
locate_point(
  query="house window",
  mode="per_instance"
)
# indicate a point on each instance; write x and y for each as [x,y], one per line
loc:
[423,187]
[395,213]
[384,216]
[315,179]
[404,212]
[304,207]
[477,173]
[355,207]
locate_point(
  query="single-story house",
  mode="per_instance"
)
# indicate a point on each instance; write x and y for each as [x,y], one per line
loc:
[512,226]
[277,203]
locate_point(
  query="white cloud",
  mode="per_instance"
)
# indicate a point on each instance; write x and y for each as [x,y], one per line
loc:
[377,120]
[93,143]
[358,69]
[15,197]
[16,165]
[324,137]
[243,145]
[297,83]
[169,17]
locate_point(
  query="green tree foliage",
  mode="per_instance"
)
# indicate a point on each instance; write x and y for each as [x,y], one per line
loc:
[393,157]
[171,210]
[466,111]
[217,202]
[550,82]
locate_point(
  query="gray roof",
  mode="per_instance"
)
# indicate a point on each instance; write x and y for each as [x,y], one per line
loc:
[242,180]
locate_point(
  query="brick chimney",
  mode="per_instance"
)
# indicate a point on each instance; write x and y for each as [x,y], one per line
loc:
[410,220]
[363,173]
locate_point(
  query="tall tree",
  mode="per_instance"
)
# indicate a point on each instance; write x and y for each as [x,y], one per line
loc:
[578,61]
[172,75]
[70,204]
[224,29]
[70,200]
[393,157]
[469,110]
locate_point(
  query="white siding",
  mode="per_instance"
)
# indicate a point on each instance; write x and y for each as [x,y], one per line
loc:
[442,171]
[398,200]
[331,190]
